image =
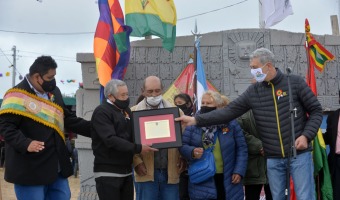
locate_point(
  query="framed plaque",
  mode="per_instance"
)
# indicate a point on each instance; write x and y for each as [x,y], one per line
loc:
[157,127]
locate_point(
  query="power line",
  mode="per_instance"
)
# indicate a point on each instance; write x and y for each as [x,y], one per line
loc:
[211,11]
[37,33]
[45,54]
[54,59]
[6,57]
[84,33]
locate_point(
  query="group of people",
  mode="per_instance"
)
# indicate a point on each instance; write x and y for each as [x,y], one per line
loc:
[247,157]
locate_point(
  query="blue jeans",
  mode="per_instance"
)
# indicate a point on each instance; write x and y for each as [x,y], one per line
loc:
[58,190]
[159,189]
[301,169]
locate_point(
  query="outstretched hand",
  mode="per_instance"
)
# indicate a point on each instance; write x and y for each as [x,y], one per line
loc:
[186,120]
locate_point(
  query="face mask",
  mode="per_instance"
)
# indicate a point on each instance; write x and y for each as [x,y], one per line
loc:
[185,109]
[206,109]
[122,104]
[154,101]
[258,74]
[48,86]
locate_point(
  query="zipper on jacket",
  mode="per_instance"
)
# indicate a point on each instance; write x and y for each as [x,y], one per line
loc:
[277,119]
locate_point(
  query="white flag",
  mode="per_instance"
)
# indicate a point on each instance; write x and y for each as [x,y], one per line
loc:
[274,11]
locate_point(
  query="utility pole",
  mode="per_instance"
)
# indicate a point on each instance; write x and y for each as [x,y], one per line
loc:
[14,66]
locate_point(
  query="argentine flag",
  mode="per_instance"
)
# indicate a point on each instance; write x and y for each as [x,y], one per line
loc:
[201,80]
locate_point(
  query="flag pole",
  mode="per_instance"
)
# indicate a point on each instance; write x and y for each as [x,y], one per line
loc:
[196,35]
[308,61]
[308,78]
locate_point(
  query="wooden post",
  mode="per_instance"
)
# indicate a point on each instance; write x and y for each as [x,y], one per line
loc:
[335,25]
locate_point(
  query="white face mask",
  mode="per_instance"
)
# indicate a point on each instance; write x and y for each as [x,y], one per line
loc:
[258,74]
[154,101]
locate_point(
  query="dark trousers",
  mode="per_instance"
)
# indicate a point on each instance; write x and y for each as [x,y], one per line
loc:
[219,182]
[119,188]
[183,186]
[253,192]
[336,178]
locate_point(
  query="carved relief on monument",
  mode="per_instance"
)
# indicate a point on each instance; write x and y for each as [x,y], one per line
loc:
[141,71]
[138,85]
[240,46]
[132,55]
[327,104]
[331,70]
[331,74]
[140,55]
[291,59]
[130,72]
[153,70]
[226,80]
[321,86]
[153,55]
[165,56]
[279,59]
[332,87]
[177,55]
[302,64]
[215,55]
[165,72]
[216,71]
[244,49]
[132,87]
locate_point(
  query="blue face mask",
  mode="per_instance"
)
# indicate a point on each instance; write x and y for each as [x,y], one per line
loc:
[258,74]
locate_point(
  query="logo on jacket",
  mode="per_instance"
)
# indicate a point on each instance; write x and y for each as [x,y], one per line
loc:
[280,93]
[225,130]
[51,97]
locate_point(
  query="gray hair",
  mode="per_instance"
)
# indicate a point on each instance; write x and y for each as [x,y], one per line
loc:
[264,55]
[215,96]
[112,87]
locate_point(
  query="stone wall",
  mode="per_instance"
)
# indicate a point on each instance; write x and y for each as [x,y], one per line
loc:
[226,60]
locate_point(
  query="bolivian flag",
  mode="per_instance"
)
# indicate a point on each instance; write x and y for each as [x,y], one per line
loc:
[152,17]
[317,53]
[184,83]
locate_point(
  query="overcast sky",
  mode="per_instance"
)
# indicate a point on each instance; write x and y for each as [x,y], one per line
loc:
[74,16]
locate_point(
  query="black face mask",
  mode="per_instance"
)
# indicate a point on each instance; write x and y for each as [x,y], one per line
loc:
[185,109]
[48,86]
[206,109]
[122,104]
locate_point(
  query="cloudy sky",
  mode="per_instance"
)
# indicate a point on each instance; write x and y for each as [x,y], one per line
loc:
[75,22]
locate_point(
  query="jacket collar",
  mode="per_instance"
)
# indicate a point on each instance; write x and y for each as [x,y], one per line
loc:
[277,79]
[142,105]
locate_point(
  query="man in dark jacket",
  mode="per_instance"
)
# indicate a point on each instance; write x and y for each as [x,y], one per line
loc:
[32,120]
[269,101]
[112,144]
